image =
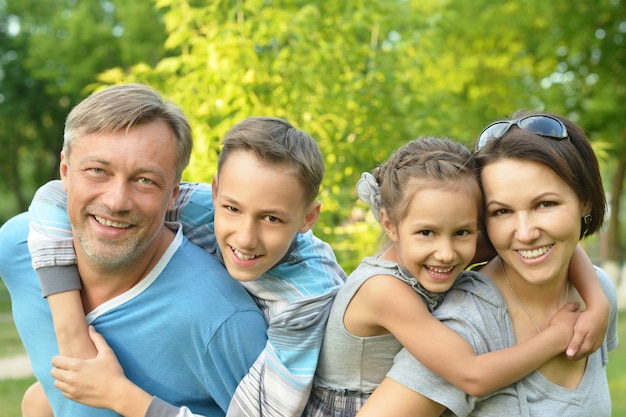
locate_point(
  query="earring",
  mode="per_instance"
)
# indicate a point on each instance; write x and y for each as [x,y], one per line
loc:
[587,218]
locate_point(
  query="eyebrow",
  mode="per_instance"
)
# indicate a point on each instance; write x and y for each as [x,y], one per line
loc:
[271,211]
[140,170]
[535,199]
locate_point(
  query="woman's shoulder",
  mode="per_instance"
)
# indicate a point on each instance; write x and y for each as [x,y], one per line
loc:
[608,285]
[605,280]
[475,283]
[473,289]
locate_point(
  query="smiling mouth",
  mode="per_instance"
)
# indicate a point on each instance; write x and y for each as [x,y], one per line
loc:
[534,253]
[243,257]
[110,223]
[439,270]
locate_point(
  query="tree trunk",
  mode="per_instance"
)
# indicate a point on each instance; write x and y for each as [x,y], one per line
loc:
[614,249]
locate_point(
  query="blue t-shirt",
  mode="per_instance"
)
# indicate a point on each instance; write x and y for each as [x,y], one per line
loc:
[187,333]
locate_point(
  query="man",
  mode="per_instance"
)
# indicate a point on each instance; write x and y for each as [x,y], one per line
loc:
[180,327]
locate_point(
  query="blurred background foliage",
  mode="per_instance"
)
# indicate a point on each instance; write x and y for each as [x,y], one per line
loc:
[363,77]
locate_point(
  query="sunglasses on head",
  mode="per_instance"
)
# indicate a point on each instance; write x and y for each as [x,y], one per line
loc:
[539,124]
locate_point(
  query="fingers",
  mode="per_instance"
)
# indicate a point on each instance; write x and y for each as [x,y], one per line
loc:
[98,340]
[572,306]
[65,362]
[575,344]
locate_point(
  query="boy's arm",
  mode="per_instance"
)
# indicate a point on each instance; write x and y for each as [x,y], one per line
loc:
[195,212]
[591,327]
[53,257]
[100,382]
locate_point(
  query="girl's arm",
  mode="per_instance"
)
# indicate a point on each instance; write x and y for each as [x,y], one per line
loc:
[592,324]
[443,350]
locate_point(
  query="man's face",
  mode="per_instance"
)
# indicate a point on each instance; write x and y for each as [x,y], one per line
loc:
[119,186]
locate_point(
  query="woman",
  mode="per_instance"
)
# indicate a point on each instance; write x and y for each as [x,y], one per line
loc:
[543,193]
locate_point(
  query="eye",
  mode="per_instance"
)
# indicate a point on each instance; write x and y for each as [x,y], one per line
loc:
[425,233]
[463,232]
[145,181]
[546,204]
[231,209]
[499,212]
[96,170]
[273,219]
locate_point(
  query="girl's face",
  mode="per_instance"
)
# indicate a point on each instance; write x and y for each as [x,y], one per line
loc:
[437,238]
[533,219]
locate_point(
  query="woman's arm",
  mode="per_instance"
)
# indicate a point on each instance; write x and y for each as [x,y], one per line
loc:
[444,351]
[402,400]
[592,324]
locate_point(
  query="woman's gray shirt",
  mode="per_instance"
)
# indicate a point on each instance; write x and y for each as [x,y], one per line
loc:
[475,309]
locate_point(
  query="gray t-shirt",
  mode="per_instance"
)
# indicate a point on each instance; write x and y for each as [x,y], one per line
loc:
[475,309]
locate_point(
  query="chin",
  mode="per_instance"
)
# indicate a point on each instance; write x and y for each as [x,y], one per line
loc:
[241,276]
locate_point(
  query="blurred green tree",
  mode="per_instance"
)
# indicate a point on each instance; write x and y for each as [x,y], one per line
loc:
[363,77]
[50,53]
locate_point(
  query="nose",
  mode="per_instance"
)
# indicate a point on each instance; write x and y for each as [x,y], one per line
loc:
[247,234]
[445,252]
[117,196]
[526,230]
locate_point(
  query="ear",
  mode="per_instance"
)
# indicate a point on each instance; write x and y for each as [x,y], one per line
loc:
[214,188]
[175,194]
[311,216]
[388,226]
[63,168]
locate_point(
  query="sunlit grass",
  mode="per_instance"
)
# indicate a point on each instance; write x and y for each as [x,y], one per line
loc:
[11,391]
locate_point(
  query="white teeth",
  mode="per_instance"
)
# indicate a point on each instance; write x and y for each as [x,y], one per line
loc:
[242,256]
[534,253]
[111,224]
[437,270]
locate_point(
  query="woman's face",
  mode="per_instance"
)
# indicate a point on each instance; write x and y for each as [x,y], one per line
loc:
[533,218]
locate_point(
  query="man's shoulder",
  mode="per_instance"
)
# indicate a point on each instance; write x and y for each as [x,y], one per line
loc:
[15,229]
[13,241]
[193,258]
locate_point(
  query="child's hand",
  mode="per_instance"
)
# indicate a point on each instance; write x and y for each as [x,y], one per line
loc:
[565,320]
[90,381]
[589,333]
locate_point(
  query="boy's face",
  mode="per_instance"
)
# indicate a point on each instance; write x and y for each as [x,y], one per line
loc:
[259,209]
